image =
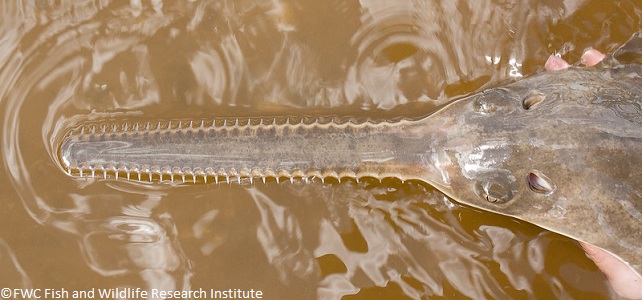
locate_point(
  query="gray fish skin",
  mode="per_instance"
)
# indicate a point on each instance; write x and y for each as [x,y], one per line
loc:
[559,149]
[584,140]
[238,151]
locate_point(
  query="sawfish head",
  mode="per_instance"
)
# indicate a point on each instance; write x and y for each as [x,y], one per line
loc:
[561,150]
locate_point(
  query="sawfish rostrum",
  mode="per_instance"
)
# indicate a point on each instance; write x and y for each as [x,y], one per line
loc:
[558,149]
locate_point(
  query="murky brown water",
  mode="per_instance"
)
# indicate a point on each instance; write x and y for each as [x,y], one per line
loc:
[71,61]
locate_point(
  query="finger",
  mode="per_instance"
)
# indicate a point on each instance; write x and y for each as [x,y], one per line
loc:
[554,63]
[624,280]
[592,57]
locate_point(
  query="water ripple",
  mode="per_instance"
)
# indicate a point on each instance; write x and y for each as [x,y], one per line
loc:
[56,71]
[66,62]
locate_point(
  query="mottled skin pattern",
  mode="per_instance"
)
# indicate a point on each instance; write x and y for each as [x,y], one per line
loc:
[578,130]
[585,136]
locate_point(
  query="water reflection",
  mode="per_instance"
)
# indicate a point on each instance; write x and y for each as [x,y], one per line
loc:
[140,242]
[65,63]
[13,275]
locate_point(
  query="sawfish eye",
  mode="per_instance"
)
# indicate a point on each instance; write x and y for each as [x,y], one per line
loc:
[496,188]
[539,183]
[491,101]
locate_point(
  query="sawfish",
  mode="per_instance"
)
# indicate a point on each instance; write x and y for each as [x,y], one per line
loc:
[561,150]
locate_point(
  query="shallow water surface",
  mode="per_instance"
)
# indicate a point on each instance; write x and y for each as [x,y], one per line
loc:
[74,62]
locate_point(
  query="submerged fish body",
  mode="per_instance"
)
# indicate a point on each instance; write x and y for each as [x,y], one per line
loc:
[558,149]
[569,163]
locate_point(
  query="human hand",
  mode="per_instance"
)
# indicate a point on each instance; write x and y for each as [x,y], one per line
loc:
[625,282]
[590,58]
